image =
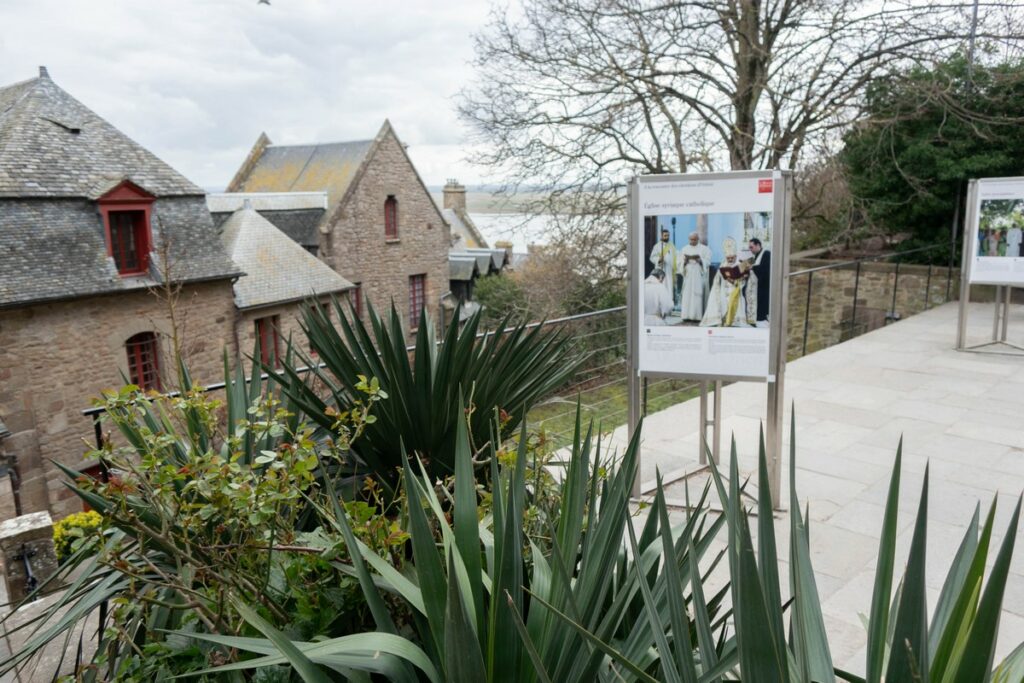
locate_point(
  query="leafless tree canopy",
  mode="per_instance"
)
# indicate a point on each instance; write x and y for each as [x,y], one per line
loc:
[576,95]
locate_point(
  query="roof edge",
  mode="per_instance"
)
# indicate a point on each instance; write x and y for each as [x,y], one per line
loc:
[257,150]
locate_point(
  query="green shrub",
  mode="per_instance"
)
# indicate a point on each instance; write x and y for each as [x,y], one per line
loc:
[72,529]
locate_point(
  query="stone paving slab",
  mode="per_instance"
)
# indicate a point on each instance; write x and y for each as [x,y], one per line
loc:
[959,414]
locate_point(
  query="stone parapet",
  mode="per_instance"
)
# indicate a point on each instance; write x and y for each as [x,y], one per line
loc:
[29,557]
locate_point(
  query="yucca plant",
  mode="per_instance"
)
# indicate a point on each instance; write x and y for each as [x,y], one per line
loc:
[591,601]
[506,372]
[601,607]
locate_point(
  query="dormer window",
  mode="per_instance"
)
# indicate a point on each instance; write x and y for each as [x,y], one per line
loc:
[126,210]
[129,241]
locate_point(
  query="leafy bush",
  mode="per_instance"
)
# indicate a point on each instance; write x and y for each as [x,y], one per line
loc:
[72,529]
[503,372]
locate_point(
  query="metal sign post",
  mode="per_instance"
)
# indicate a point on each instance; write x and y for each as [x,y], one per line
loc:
[704,352]
[1004,190]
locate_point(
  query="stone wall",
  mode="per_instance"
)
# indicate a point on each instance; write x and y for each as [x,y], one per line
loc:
[290,324]
[55,358]
[831,308]
[355,245]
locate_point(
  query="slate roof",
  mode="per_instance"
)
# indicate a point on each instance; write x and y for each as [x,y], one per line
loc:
[296,214]
[462,267]
[325,167]
[266,201]
[464,229]
[490,260]
[52,238]
[52,145]
[52,249]
[277,270]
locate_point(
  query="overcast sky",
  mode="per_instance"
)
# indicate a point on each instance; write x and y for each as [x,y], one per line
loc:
[195,81]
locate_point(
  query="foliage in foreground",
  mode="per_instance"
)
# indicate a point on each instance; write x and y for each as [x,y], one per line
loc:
[207,566]
[504,372]
[605,606]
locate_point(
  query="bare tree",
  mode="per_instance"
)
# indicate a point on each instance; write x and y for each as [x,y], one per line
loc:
[574,95]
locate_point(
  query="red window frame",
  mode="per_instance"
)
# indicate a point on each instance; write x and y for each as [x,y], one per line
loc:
[268,332]
[417,298]
[391,217]
[144,361]
[126,211]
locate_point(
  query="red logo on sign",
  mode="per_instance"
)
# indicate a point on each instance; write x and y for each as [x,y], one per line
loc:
[764,186]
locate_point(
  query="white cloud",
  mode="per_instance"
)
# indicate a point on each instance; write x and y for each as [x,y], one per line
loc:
[196,81]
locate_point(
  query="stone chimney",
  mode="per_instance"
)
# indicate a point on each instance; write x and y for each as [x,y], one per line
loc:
[454,195]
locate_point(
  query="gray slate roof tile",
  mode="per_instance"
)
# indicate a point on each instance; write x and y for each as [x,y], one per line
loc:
[52,239]
[42,155]
[277,269]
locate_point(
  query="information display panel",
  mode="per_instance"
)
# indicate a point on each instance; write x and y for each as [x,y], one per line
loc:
[995,224]
[706,274]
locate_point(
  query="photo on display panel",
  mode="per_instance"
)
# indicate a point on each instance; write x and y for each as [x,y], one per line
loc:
[1000,226]
[707,270]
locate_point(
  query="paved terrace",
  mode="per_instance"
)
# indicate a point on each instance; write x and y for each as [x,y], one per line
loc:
[961,412]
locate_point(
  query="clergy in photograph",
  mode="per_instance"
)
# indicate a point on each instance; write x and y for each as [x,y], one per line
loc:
[663,256]
[760,278]
[1013,236]
[694,265]
[657,301]
[728,306]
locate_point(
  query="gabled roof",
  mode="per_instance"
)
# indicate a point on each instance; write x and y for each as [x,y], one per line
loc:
[464,229]
[490,260]
[322,167]
[462,267]
[52,145]
[277,270]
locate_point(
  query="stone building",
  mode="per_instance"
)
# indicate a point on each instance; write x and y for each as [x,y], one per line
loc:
[98,237]
[90,224]
[279,276]
[381,229]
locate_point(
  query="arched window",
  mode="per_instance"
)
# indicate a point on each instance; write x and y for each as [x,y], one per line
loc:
[143,361]
[391,218]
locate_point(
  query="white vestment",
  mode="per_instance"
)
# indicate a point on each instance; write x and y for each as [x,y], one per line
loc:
[1013,240]
[695,279]
[726,297]
[663,256]
[657,302]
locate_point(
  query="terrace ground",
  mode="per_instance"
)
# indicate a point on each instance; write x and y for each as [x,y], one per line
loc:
[958,412]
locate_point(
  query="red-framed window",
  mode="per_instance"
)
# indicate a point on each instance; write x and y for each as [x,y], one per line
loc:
[356,297]
[268,332]
[391,217]
[143,361]
[129,241]
[417,297]
[126,213]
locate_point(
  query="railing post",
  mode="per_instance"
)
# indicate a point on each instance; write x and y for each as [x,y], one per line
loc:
[807,313]
[928,288]
[856,291]
[895,288]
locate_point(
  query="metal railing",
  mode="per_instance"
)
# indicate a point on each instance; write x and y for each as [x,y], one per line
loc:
[891,314]
[599,385]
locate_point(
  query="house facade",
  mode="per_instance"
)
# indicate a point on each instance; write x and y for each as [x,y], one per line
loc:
[381,229]
[107,254]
